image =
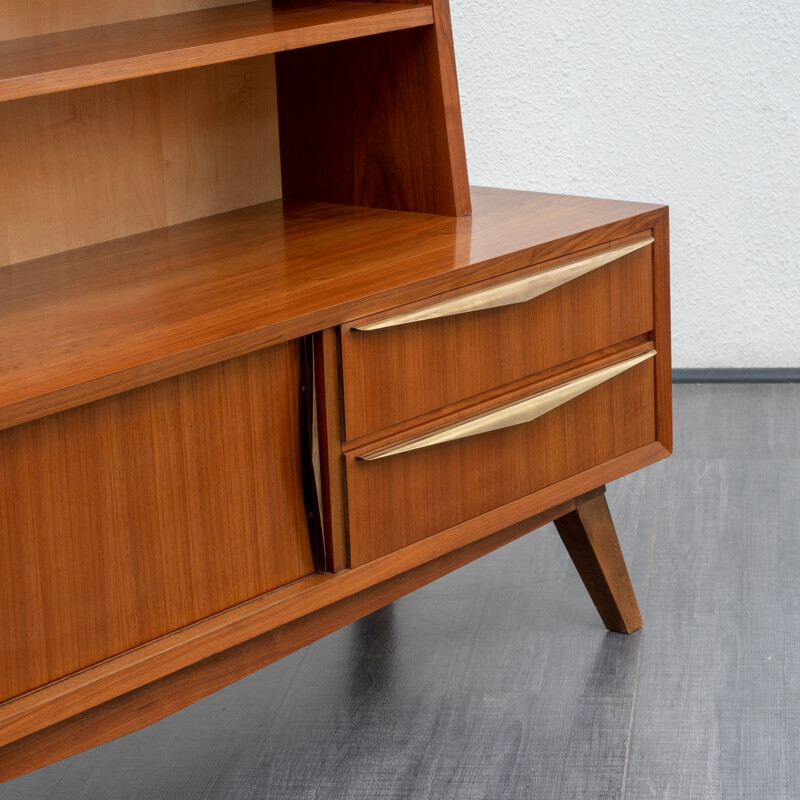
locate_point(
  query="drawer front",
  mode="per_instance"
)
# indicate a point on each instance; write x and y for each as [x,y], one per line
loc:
[411,366]
[396,498]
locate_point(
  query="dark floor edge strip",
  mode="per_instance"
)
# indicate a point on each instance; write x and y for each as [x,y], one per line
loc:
[731,375]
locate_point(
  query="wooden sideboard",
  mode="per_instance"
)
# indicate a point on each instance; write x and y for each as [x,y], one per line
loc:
[267,363]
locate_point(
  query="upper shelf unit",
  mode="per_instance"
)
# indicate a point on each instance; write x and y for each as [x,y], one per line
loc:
[104,54]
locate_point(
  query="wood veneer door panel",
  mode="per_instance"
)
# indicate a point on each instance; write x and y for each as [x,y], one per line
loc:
[133,516]
[403,498]
[394,374]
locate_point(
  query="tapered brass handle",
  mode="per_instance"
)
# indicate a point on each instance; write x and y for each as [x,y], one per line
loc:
[519,290]
[517,413]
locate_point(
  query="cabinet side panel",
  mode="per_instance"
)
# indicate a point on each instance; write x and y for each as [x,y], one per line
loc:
[661,331]
[136,515]
[370,122]
[96,164]
[452,105]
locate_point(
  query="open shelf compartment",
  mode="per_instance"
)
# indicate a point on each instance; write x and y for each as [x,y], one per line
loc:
[108,53]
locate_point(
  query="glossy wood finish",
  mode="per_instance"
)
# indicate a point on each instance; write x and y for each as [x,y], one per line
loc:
[110,161]
[402,499]
[126,519]
[445,61]
[547,378]
[511,290]
[171,423]
[590,538]
[90,56]
[376,122]
[482,245]
[399,373]
[127,312]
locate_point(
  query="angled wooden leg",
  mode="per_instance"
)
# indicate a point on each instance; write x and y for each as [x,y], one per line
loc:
[590,538]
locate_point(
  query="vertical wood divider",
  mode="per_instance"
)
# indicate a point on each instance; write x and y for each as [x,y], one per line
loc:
[329,432]
[661,330]
[375,122]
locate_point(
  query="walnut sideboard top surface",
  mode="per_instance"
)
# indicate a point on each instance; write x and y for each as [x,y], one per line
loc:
[91,322]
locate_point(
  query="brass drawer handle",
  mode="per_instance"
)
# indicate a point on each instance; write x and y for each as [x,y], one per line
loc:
[509,293]
[515,414]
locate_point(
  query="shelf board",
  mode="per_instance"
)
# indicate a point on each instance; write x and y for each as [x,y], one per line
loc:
[71,59]
[88,323]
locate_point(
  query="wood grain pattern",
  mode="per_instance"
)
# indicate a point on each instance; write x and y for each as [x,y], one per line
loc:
[85,324]
[375,122]
[446,64]
[515,390]
[399,373]
[512,413]
[150,662]
[446,257]
[131,517]
[591,540]
[104,54]
[18,20]
[402,499]
[219,138]
[167,695]
[511,290]
[106,162]
[481,684]
[444,61]
[155,396]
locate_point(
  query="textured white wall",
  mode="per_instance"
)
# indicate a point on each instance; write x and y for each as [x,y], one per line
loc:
[694,104]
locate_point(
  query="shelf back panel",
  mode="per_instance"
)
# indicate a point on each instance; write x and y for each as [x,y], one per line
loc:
[51,16]
[100,163]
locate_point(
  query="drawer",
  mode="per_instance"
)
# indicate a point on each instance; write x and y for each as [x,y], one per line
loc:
[420,358]
[428,479]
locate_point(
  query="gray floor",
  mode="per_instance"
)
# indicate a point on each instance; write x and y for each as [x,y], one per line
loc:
[500,682]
